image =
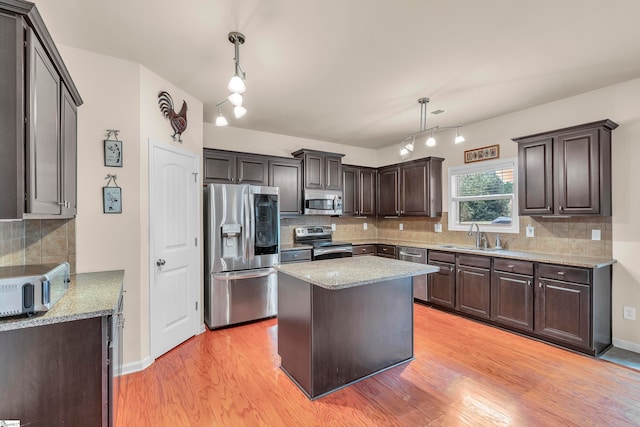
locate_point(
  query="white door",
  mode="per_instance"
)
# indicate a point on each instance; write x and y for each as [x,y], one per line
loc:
[174,215]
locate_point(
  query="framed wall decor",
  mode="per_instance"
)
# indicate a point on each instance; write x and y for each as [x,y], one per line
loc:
[112,200]
[113,153]
[484,153]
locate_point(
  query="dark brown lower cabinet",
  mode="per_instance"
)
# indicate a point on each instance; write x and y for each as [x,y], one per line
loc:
[512,300]
[58,374]
[441,286]
[386,251]
[473,285]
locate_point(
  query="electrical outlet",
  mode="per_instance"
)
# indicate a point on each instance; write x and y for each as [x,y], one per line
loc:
[364,225]
[333,227]
[437,227]
[530,232]
[596,234]
[629,313]
[401,226]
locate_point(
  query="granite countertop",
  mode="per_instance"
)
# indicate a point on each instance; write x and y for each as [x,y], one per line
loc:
[89,295]
[294,247]
[343,273]
[570,260]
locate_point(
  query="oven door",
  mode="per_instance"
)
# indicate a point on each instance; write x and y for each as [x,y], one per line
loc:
[332,252]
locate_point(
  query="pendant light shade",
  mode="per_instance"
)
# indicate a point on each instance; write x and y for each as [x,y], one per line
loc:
[221,121]
[239,111]
[235,99]
[459,138]
[236,85]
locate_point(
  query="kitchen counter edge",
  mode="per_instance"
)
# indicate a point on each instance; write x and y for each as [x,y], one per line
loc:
[569,260]
[90,295]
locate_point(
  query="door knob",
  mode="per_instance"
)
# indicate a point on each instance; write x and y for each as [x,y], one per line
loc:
[160,262]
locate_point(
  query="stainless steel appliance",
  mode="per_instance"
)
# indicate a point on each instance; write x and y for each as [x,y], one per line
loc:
[322,202]
[418,255]
[242,242]
[320,237]
[27,289]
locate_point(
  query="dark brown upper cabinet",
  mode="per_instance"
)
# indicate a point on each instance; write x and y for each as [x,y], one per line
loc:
[566,171]
[38,101]
[321,170]
[226,167]
[286,174]
[359,190]
[411,189]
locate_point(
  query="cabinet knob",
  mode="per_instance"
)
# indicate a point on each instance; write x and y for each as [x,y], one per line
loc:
[549,208]
[528,282]
[560,208]
[561,273]
[540,285]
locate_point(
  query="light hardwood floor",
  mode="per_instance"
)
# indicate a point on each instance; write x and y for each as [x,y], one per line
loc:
[464,373]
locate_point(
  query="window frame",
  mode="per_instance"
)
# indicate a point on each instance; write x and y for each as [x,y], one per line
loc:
[486,166]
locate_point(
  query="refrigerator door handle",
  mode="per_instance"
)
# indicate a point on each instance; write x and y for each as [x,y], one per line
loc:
[248,255]
[252,274]
[252,223]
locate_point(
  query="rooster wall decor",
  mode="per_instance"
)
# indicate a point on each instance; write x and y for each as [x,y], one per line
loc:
[178,120]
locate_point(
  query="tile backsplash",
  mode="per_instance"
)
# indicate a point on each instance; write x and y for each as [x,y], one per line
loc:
[38,241]
[567,236]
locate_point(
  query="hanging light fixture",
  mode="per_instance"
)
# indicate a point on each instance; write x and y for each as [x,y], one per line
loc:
[407,144]
[236,84]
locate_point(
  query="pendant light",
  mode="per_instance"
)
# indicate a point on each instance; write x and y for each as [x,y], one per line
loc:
[236,84]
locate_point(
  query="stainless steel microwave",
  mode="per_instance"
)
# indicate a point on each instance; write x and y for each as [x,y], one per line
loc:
[322,202]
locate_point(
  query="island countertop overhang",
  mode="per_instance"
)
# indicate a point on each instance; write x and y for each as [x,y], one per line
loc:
[344,273]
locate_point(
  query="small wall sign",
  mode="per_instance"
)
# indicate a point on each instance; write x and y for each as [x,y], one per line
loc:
[111,196]
[484,153]
[113,149]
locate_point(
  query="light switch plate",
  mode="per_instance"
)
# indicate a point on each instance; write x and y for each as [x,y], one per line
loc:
[401,226]
[530,232]
[437,227]
[364,225]
[629,313]
[333,227]
[596,235]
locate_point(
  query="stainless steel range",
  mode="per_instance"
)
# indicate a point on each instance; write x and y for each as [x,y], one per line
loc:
[324,247]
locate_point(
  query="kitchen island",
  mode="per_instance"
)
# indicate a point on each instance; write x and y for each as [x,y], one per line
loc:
[342,320]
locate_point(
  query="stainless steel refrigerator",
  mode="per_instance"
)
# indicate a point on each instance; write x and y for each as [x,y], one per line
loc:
[242,243]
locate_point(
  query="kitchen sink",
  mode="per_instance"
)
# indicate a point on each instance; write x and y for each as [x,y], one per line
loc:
[469,248]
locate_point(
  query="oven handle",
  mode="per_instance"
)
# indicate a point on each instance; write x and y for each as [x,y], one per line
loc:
[334,250]
[253,274]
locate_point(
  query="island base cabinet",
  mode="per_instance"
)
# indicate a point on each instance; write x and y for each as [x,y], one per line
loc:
[328,339]
[54,375]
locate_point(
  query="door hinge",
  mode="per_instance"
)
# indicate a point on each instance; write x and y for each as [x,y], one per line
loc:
[196,241]
[196,305]
[26,120]
[25,43]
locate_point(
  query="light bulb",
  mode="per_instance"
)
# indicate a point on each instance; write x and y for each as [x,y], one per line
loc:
[431,142]
[404,151]
[235,99]
[236,84]
[221,120]
[239,111]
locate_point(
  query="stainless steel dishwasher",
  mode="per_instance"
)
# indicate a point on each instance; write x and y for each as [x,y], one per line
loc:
[419,255]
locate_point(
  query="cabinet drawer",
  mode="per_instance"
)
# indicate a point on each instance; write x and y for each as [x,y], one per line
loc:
[561,272]
[474,261]
[513,266]
[295,256]
[449,257]
[388,250]
[364,250]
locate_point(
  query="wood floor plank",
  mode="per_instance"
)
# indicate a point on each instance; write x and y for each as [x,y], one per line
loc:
[464,373]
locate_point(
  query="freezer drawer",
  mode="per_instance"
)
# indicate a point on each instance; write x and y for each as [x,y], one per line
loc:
[240,296]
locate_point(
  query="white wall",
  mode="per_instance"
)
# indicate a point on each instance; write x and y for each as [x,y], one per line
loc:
[122,95]
[250,141]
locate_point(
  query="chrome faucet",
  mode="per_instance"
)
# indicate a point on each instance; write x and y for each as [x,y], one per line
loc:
[478,234]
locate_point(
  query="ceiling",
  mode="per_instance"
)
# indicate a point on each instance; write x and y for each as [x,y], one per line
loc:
[351,71]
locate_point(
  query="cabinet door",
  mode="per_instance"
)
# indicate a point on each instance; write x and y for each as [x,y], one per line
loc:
[578,173]
[473,291]
[333,173]
[512,300]
[414,197]
[535,172]
[69,136]
[367,188]
[441,285]
[388,191]
[562,311]
[313,171]
[219,167]
[43,147]
[252,170]
[350,192]
[287,176]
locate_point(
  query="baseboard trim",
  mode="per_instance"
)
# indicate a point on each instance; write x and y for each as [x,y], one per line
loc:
[138,366]
[626,345]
